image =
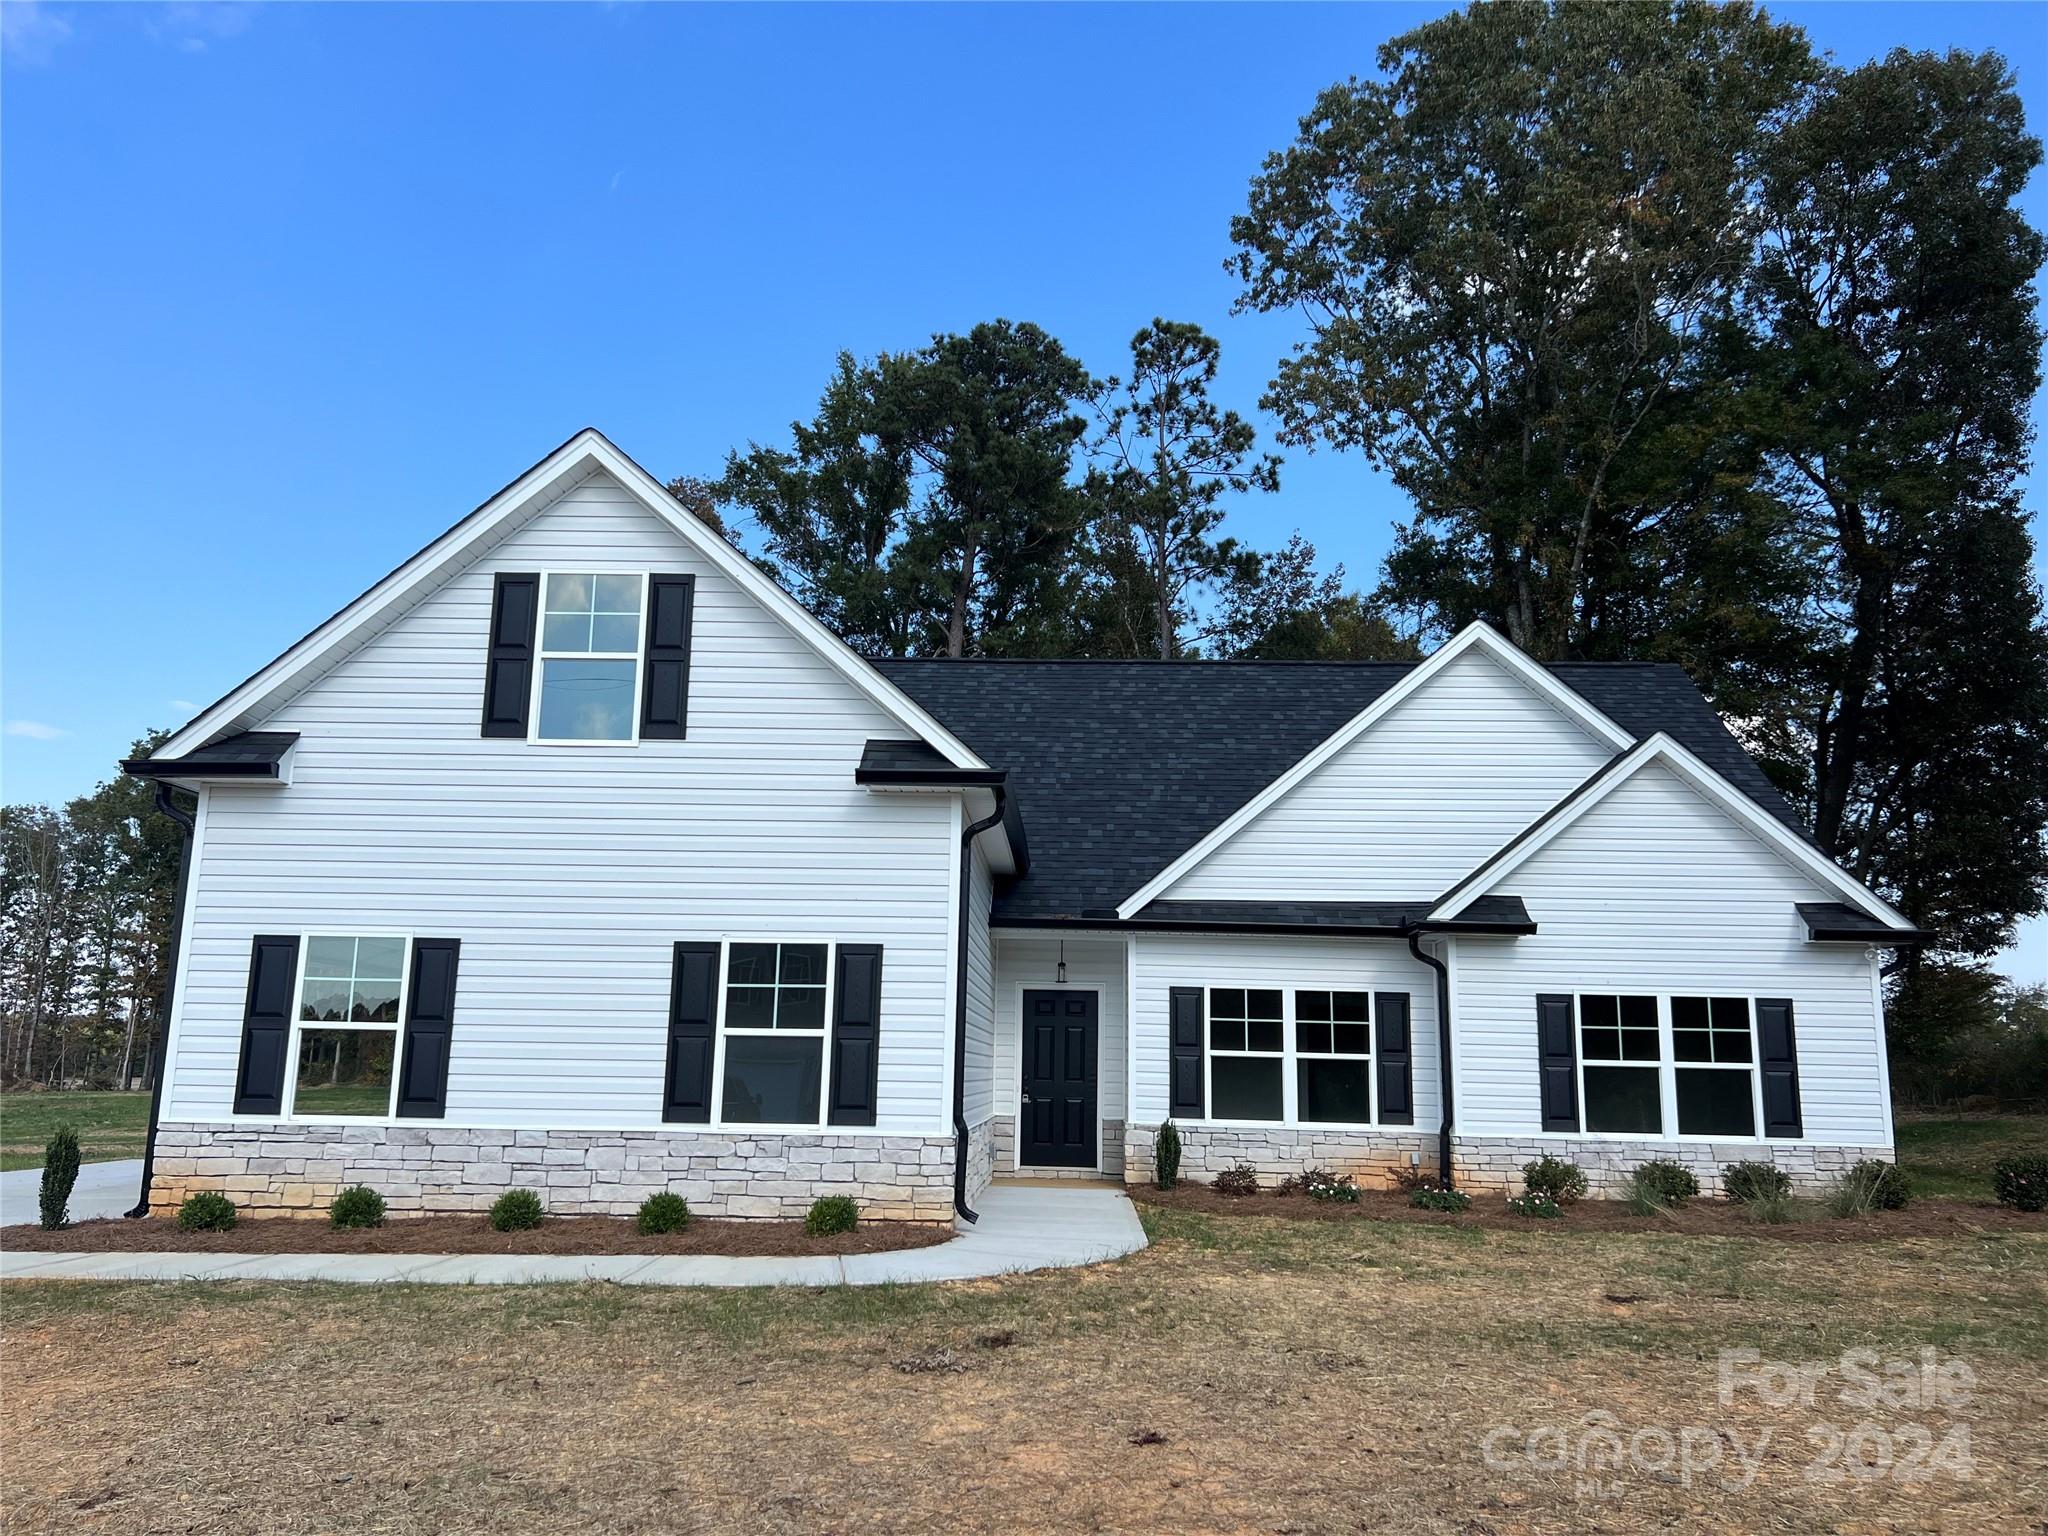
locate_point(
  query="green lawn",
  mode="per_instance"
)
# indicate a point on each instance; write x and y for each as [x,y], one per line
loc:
[1952,1155]
[109,1125]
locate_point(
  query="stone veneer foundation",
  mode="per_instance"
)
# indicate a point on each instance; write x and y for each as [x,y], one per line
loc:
[1377,1158]
[1112,1133]
[298,1169]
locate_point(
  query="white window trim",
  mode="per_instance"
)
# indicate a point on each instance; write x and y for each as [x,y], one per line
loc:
[291,1057]
[541,657]
[1289,1055]
[823,1035]
[1667,1068]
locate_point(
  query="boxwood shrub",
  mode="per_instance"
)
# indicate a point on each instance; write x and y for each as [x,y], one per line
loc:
[1660,1185]
[2021,1181]
[830,1214]
[663,1212]
[357,1206]
[206,1212]
[517,1210]
[1747,1183]
[1555,1179]
[1871,1185]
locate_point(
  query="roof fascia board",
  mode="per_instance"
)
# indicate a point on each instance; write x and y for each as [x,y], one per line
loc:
[1476,636]
[1712,787]
[587,451]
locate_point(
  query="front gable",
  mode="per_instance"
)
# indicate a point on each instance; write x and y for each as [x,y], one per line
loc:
[1416,798]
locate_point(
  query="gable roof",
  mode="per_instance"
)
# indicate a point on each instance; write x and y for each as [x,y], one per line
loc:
[1710,786]
[1119,767]
[1473,637]
[589,452]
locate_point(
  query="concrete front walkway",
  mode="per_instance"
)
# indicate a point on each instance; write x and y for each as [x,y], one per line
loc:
[1022,1227]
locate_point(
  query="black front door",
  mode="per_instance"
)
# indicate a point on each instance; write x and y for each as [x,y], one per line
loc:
[1056,1124]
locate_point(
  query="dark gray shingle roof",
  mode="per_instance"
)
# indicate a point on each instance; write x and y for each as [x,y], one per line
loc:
[1119,767]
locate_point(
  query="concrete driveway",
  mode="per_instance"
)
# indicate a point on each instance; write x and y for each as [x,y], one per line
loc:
[103,1189]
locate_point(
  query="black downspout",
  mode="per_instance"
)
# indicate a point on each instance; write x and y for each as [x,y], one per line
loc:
[159,1048]
[1443,1038]
[967,837]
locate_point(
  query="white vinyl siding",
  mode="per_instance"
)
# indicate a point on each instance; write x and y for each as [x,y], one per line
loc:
[1656,891]
[568,876]
[1031,960]
[1419,800]
[1167,960]
[980,1096]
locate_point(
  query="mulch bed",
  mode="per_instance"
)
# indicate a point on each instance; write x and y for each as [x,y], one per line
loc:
[468,1235]
[1706,1218]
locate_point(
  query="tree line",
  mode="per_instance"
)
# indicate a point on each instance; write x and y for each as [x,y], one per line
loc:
[1684,344]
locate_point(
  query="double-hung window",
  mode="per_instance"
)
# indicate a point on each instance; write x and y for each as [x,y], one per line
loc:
[1620,1052]
[345,1028]
[1714,1066]
[587,685]
[1247,1054]
[774,1034]
[1333,1058]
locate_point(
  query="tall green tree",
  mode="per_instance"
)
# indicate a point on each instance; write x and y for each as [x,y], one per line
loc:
[1510,252]
[1167,455]
[1283,607]
[1894,349]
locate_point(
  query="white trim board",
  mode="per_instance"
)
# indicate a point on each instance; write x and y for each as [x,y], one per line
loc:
[587,453]
[1473,636]
[1710,785]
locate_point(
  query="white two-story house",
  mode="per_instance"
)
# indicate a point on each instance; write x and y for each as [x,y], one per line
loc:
[576,855]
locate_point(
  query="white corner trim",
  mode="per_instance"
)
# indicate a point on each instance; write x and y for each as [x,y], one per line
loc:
[1710,786]
[586,452]
[1477,636]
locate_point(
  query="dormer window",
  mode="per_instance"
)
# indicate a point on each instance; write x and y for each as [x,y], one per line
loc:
[588,688]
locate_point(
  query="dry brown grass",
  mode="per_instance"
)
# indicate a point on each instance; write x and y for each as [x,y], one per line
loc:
[1245,1374]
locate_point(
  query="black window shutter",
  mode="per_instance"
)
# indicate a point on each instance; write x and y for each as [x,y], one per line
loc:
[1185,1071]
[1778,1059]
[856,1034]
[665,689]
[429,1029]
[1396,1056]
[1557,1055]
[508,668]
[692,1018]
[266,1024]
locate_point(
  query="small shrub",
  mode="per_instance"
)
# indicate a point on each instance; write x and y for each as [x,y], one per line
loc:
[1323,1184]
[1555,1179]
[206,1212]
[1412,1178]
[517,1210]
[358,1206]
[1747,1183]
[1659,1186]
[1769,1209]
[60,1173]
[1166,1156]
[1537,1203]
[1435,1197]
[1238,1181]
[2021,1181]
[663,1212]
[1871,1185]
[830,1214]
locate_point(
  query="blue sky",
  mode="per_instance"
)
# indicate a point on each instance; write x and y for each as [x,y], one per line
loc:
[287,289]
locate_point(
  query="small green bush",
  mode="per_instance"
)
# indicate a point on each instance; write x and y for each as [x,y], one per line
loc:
[1434,1197]
[1555,1179]
[1871,1185]
[357,1206]
[1659,1186]
[830,1214]
[2021,1181]
[664,1212]
[206,1212]
[1323,1184]
[60,1174]
[517,1210]
[1166,1156]
[1535,1203]
[1243,1179]
[1747,1183]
